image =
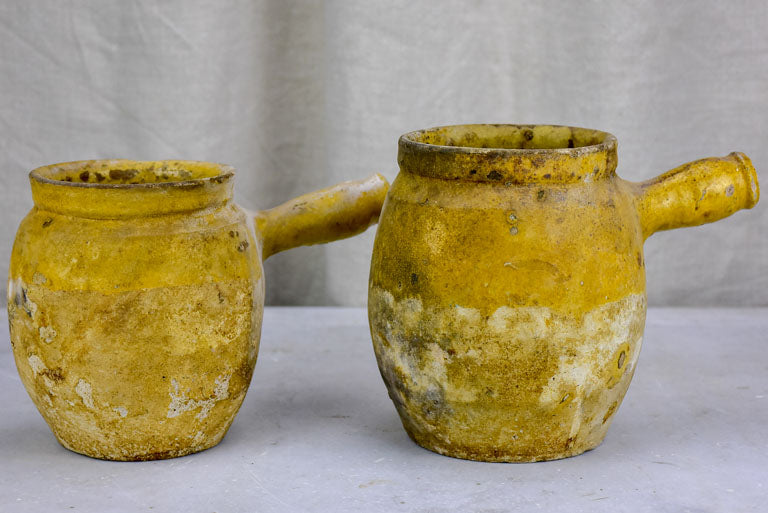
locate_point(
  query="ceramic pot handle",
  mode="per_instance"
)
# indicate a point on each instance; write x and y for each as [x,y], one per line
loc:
[337,212]
[699,192]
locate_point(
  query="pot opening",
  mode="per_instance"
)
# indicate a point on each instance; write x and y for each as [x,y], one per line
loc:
[509,154]
[130,173]
[111,189]
[510,137]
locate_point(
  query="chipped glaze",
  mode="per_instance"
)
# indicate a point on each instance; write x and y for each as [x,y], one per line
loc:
[507,290]
[136,293]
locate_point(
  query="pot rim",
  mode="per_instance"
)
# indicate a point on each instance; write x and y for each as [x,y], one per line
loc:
[224,173]
[564,154]
[122,188]
[608,142]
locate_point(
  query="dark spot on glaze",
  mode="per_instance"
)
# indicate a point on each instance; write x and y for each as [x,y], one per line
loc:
[54,374]
[67,178]
[548,176]
[242,246]
[414,279]
[434,403]
[47,222]
[300,206]
[729,190]
[639,259]
[84,176]
[25,302]
[122,174]
[528,134]
[540,195]
[232,234]
[494,175]
[473,172]
[100,177]
[570,143]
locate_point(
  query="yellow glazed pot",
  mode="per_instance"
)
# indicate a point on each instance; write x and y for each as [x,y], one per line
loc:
[136,294]
[507,289]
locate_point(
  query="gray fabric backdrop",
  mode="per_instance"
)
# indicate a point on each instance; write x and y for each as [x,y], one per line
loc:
[300,95]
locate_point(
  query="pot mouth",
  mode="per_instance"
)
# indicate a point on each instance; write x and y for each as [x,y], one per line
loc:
[132,174]
[509,153]
[120,188]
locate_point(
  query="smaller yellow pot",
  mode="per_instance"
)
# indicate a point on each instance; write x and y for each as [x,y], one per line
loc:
[507,290]
[135,297]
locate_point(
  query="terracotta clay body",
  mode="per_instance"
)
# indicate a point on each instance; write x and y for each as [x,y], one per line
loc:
[507,291]
[136,293]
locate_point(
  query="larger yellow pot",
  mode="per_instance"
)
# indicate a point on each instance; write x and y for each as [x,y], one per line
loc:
[136,294]
[507,289]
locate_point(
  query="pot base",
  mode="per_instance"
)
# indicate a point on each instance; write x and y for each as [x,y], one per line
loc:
[495,454]
[147,454]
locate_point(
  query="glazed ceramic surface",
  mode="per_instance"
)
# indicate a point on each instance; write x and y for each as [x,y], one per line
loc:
[136,293]
[507,290]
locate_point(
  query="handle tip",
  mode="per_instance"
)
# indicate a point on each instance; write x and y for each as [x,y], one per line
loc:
[750,178]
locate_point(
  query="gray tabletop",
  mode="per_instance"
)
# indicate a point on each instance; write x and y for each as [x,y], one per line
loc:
[317,432]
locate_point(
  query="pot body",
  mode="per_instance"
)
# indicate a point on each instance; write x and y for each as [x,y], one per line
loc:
[507,291]
[136,337]
[507,321]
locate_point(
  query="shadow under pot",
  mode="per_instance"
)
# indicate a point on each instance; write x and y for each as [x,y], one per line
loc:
[507,290]
[136,295]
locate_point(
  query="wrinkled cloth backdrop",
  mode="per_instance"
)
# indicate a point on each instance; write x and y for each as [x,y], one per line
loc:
[300,95]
